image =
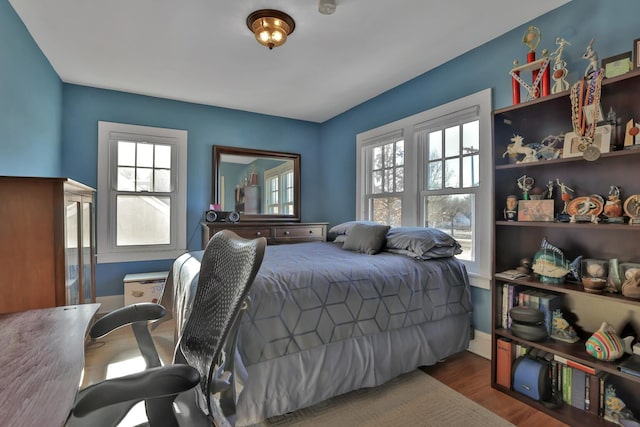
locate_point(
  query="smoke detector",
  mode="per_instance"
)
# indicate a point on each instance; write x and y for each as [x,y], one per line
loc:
[327,7]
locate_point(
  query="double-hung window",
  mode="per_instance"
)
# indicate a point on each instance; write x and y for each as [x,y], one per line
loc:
[141,192]
[433,169]
[279,189]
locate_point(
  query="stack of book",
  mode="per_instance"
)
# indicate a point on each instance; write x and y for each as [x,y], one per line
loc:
[515,294]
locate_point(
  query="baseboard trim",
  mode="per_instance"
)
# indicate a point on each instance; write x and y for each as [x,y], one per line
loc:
[110,303]
[480,344]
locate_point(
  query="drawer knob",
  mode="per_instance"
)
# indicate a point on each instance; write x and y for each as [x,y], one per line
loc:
[258,233]
[310,231]
[286,233]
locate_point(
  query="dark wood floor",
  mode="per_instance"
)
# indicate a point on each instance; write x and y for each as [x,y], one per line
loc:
[469,374]
[465,372]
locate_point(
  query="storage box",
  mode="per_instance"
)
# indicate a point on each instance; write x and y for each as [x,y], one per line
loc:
[144,287]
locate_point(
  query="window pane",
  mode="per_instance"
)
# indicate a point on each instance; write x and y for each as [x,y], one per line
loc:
[162,181]
[471,136]
[144,179]
[388,180]
[470,172]
[145,155]
[376,184]
[435,146]
[387,210]
[399,153]
[453,214]
[143,220]
[126,179]
[452,141]
[399,179]
[163,156]
[434,180]
[388,155]
[377,158]
[452,173]
[126,153]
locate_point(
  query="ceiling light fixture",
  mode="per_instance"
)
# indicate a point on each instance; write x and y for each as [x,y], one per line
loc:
[271,27]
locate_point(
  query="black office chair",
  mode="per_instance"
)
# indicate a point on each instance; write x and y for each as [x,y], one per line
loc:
[204,354]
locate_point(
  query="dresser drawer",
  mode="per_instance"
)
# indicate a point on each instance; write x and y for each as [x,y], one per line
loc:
[302,232]
[252,232]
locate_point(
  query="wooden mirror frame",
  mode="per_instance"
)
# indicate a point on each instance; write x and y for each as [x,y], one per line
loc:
[219,150]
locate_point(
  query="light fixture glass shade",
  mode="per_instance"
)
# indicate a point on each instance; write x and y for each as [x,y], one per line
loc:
[270,27]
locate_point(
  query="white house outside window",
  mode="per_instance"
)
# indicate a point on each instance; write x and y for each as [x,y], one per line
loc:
[141,192]
[433,170]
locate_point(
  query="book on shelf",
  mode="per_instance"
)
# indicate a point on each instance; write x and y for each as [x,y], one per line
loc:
[511,275]
[510,293]
[631,366]
[578,387]
[549,302]
[504,362]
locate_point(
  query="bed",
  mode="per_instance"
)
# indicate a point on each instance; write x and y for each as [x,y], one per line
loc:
[323,320]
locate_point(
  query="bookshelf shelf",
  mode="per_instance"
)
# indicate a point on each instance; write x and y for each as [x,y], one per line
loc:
[535,120]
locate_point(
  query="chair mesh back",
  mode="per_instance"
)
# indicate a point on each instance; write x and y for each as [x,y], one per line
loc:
[229,265]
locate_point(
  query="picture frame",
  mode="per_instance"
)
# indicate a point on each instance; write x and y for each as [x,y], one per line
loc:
[536,210]
[636,53]
[602,140]
[617,65]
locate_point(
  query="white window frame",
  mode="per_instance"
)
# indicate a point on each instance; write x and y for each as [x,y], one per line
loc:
[278,172]
[109,134]
[480,269]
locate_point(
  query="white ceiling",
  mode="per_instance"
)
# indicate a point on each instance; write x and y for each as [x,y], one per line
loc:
[202,51]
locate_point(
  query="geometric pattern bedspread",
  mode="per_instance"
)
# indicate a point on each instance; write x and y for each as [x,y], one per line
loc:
[310,294]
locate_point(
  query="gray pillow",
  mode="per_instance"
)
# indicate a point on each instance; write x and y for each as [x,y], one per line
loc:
[344,228]
[423,242]
[366,238]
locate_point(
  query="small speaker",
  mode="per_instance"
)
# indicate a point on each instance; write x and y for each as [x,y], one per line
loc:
[221,216]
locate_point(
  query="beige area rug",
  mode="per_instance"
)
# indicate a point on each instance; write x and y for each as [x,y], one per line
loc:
[414,399]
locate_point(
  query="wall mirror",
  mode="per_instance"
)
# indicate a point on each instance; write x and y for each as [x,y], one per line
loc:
[260,185]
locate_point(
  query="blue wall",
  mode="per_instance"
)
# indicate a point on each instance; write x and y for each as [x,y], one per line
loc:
[36,109]
[613,25]
[30,103]
[83,107]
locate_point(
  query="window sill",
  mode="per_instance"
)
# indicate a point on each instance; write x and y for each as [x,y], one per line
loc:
[106,258]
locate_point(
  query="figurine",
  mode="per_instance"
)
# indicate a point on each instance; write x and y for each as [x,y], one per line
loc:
[516,147]
[614,284]
[550,190]
[592,57]
[561,330]
[550,264]
[613,206]
[614,408]
[525,183]
[632,209]
[631,285]
[566,197]
[559,67]
[525,266]
[605,344]
[511,209]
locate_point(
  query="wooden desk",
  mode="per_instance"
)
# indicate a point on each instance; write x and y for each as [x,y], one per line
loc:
[41,361]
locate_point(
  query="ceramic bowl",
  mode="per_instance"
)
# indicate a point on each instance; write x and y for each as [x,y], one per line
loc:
[594,284]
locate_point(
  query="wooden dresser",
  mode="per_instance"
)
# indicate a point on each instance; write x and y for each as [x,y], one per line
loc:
[277,233]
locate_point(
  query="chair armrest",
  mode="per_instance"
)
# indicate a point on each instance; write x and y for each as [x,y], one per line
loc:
[148,384]
[140,312]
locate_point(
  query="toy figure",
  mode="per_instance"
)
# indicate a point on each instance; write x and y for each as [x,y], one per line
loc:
[550,264]
[605,344]
[613,205]
[511,209]
[592,57]
[525,183]
[561,330]
[565,195]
